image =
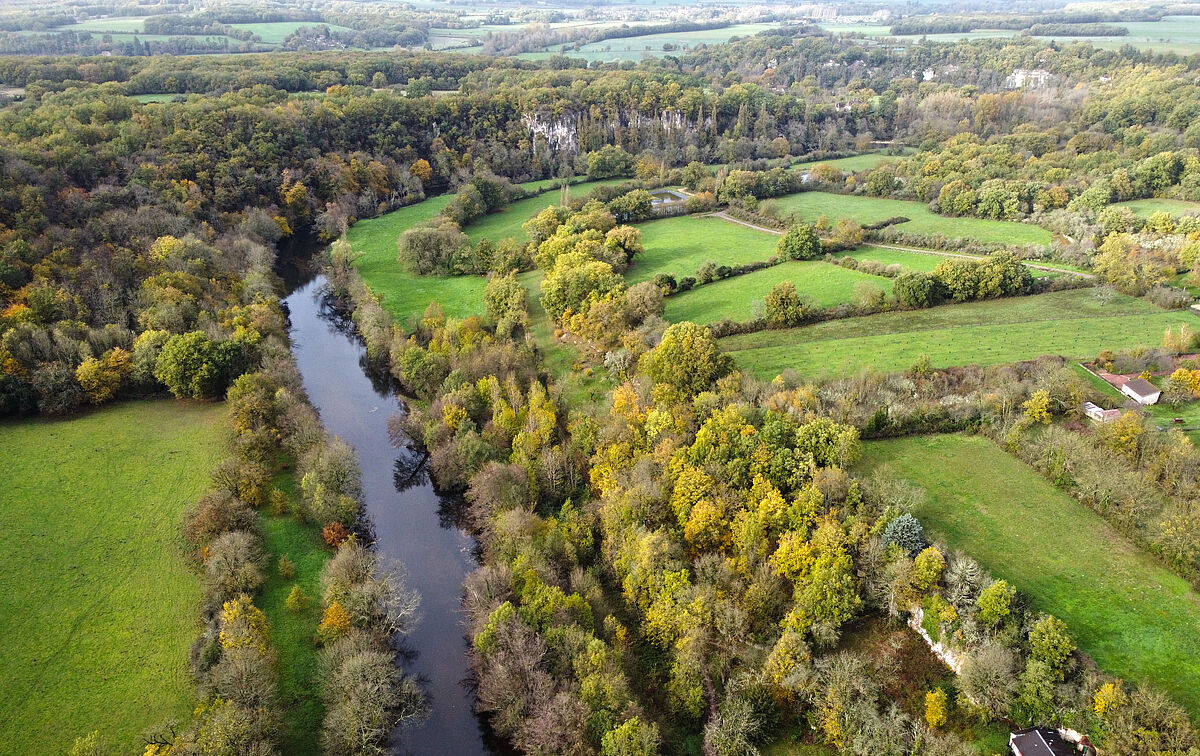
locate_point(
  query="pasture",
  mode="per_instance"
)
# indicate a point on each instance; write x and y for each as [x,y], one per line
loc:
[99,607]
[853,163]
[865,210]
[679,246]
[1134,617]
[1144,208]
[1071,323]
[507,223]
[292,632]
[650,45]
[740,297]
[884,256]
[406,294]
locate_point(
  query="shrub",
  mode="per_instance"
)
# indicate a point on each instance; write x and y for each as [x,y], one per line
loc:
[995,602]
[335,534]
[297,600]
[234,564]
[915,289]
[217,513]
[936,706]
[286,567]
[335,623]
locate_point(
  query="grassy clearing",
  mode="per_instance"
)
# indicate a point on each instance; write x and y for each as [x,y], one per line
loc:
[99,606]
[811,205]
[1144,208]
[679,246]
[738,298]
[1071,323]
[883,256]
[507,223]
[560,357]
[864,162]
[292,632]
[1134,617]
[406,294]
[650,45]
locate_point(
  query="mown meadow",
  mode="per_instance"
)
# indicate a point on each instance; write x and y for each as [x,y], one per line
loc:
[1074,323]
[921,220]
[99,607]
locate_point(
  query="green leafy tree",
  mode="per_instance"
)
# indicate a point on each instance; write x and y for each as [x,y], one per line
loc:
[915,289]
[504,298]
[633,737]
[1051,643]
[687,358]
[799,243]
[995,602]
[784,307]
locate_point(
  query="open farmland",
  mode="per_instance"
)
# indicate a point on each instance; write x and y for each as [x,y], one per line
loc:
[507,223]
[650,45]
[1144,208]
[885,256]
[1130,614]
[406,294]
[1071,323]
[740,297]
[865,210]
[99,606]
[863,162]
[679,246]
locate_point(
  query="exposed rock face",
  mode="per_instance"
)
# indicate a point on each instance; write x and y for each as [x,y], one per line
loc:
[950,658]
[561,132]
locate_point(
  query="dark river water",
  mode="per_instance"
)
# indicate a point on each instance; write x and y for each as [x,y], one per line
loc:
[409,520]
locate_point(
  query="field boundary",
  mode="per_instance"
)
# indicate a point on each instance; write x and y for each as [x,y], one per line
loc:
[918,250]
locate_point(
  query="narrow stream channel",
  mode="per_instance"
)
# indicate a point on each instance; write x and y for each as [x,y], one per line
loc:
[410,521]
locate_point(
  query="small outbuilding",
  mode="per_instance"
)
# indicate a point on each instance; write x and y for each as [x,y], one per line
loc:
[1040,741]
[1099,414]
[1141,391]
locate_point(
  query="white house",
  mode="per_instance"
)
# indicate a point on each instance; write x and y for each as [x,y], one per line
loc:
[1141,391]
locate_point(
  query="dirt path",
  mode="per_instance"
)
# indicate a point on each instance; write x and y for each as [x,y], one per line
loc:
[917,250]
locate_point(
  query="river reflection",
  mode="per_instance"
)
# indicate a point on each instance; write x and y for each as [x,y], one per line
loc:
[408,519]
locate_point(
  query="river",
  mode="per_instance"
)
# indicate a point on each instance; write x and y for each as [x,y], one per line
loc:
[409,520]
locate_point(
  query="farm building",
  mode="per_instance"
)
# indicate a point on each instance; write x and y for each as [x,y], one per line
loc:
[1039,741]
[1099,414]
[1141,391]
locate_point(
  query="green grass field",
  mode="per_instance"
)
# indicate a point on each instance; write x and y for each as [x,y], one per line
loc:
[863,162]
[1179,34]
[883,256]
[1130,614]
[1071,323]
[99,606]
[132,24]
[292,632]
[739,298]
[1144,208]
[507,223]
[650,45]
[679,246]
[406,294]
[812,205]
